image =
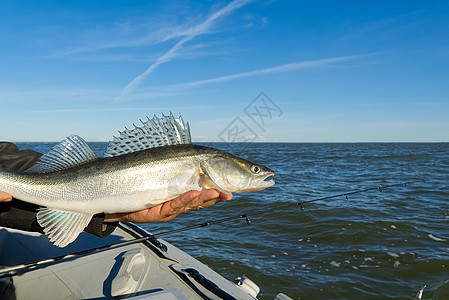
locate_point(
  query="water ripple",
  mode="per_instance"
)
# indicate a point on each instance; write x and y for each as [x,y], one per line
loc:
[374,245]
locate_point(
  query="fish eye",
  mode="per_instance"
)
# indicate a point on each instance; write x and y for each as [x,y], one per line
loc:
[255,169]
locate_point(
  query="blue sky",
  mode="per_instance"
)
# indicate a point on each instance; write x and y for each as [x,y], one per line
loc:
[335,71]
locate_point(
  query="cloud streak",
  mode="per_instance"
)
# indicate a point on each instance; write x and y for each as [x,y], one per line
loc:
[173,52]
[278,69]
[127,34]
[293,66]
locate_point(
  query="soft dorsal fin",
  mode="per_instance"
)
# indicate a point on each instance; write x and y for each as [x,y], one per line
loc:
[155,132]
[70,152]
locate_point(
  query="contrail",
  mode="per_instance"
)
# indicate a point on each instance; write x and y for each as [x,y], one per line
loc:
[292,66]
[277,69]
[195,31]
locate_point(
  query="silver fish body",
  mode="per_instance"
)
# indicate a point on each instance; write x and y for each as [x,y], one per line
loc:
[130,182]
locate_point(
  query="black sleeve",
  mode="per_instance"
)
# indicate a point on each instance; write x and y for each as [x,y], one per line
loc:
[13,159]
[22,215]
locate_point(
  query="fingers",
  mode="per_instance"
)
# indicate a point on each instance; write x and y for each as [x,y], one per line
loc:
[192,200]
[164,212]
[160,213]
[182,204]
[5,197]
[204,199]
[118,217]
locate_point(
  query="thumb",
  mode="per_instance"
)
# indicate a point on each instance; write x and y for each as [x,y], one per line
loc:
[5,196]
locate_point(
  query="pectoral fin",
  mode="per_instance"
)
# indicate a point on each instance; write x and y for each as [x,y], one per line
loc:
[62,227]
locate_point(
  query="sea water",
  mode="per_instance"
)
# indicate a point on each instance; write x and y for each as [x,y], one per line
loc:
[383,244]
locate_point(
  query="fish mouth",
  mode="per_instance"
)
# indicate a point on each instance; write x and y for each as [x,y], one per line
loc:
[268,180]
[261,183]
[264,183]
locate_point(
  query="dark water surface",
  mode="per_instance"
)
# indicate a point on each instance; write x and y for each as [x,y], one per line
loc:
[374,245]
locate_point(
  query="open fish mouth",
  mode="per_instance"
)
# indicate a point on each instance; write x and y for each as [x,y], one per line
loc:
[263,183]
[268,180]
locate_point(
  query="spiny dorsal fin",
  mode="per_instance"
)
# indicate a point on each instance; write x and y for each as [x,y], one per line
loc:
[70,152]
[155,132]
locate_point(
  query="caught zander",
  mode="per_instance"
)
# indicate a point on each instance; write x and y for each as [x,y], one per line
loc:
[142,167]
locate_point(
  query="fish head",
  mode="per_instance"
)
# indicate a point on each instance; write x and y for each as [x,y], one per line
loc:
[236,175]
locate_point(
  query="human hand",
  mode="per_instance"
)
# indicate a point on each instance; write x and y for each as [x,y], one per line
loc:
[164,212]
[5,197]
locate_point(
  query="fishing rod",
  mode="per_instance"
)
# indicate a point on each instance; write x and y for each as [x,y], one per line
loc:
[379,188]
[153,236]
[117,245]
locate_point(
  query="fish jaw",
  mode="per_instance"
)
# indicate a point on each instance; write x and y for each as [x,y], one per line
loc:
[267,182]
[264,182]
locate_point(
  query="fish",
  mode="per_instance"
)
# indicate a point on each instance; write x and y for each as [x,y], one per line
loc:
[141,168]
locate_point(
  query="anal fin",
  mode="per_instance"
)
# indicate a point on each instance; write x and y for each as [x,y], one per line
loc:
[62,227]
